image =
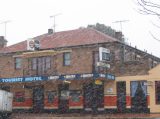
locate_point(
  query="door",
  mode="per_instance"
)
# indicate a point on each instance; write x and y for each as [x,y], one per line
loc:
[121,96]
[88,93]
[93,96]
[63,90]
[138,96]
[38,99]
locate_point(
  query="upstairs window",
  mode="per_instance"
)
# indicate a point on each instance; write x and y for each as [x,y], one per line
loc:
[48,62]
[34,63]
[67,59]
[105,56]
[43,63]
[18,63]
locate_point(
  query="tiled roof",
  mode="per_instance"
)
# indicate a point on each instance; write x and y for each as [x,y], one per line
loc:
[81,36]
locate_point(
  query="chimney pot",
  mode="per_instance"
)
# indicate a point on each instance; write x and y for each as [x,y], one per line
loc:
[3,42]
[50,31]
[118,35]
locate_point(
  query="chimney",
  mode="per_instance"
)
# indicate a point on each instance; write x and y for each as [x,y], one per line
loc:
[3,42]
[50,31]
[119,36]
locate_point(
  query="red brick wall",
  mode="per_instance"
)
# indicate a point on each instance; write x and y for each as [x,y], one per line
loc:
[81,62]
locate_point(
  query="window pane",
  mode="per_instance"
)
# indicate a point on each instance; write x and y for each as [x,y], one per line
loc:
[67,59]
[18,62]
[67,56]
[34,63]
[51,96]
[105,56]
[19,96]
[48,62]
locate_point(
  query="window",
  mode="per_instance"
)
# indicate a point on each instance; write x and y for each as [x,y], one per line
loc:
[18,63]
[34,63]
[75,95]
[105,56]
[43,63]
[19,96]
[66,59]
[157,91]
[51,96]
[48,62]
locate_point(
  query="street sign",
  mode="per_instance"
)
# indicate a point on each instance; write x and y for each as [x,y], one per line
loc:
[102,64]
[104,54]
[98,82]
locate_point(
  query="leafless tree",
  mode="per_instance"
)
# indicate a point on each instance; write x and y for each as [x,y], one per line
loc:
[150,7]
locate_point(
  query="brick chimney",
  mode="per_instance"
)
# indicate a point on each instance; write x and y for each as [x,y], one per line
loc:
[50,31]
[119,35]
[3,42]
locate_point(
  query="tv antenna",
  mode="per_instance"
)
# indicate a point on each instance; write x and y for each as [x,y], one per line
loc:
[120,22]
[54,21]
[5,27]
[123,41]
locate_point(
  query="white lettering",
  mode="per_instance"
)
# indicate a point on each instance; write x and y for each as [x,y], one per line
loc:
[86,75]
[53,77]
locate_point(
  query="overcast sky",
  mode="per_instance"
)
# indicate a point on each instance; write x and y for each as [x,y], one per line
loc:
[29,18]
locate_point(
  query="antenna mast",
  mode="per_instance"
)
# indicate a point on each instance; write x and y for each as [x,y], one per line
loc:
[123,41]
[5,27]
[120,22]
[54,21]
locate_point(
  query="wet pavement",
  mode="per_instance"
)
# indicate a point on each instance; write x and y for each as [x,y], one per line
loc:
[82,116]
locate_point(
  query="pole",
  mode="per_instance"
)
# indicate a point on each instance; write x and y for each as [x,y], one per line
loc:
[54,21]
[5,27]
[120,22]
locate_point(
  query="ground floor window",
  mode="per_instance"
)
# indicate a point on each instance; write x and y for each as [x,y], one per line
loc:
[157,91]
[19,96]
[75,95]
[138,95]
[51,96]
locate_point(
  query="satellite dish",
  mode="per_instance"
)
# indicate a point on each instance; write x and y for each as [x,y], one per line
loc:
[30,44]
[36,44]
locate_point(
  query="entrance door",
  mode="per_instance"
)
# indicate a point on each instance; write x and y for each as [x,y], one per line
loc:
[121,96]
[138,96]
[63,90]
[93,96]
[38,99]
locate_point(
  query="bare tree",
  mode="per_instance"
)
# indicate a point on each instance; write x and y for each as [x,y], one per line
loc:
[150,7]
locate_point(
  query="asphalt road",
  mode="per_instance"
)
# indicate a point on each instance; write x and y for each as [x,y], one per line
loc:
[82,116]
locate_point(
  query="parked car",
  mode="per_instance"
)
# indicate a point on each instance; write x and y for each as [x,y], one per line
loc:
[6,99]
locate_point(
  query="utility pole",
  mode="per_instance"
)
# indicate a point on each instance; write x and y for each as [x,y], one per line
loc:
[123,41]
[5,27]
[54,21]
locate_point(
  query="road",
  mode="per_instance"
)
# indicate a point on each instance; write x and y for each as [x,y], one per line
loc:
[82,116]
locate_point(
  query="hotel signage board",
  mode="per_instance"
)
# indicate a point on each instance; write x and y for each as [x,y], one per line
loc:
[58,77]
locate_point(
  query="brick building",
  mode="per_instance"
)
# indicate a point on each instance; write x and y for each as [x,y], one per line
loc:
[61,73]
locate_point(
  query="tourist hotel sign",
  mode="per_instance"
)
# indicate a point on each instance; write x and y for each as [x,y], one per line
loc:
[58,77]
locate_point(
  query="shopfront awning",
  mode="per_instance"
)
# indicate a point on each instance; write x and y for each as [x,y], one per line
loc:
[59,77]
